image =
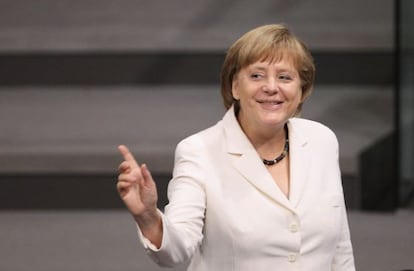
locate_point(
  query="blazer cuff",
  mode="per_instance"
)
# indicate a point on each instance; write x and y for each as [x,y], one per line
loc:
[147,244]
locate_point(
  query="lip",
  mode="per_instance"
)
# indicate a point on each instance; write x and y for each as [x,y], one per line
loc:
[270,104]
[269,101]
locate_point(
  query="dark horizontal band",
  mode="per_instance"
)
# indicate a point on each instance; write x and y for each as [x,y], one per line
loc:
[62,191]
[112,68]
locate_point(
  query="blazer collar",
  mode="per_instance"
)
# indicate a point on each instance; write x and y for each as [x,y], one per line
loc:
[247,161]
[300,161]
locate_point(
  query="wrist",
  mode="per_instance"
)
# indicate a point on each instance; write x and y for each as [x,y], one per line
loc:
[151,227]
[148,220]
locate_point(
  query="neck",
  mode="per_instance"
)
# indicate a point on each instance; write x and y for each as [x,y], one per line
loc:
[262,135]
[273,147]
[280,157]
[267,143]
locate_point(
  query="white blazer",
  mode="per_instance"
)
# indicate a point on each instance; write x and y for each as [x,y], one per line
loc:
[225,211]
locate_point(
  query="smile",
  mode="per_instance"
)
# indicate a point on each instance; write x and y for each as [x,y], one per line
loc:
[270,102]
[270,105]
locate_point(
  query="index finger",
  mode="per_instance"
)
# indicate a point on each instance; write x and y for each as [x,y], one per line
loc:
[127,154]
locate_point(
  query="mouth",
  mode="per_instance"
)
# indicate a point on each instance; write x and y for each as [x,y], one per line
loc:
[270,105]
[270,102]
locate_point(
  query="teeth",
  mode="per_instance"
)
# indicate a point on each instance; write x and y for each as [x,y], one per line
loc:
[271,102]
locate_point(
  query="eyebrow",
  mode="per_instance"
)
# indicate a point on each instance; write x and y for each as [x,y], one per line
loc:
[261,67]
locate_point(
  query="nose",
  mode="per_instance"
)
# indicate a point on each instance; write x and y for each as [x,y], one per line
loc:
[271,86]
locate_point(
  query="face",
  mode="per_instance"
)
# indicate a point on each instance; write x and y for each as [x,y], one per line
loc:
[269,94]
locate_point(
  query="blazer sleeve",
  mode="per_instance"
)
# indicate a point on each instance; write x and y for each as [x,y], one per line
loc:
[343,259]
[183,219]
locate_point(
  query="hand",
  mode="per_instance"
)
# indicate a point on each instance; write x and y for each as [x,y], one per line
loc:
[138,191]
[136,187]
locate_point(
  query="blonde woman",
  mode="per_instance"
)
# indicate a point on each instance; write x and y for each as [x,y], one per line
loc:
[261,189]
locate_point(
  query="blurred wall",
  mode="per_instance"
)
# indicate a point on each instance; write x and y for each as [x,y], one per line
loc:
[77,78]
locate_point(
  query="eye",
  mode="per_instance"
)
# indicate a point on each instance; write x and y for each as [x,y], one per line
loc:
[285,77]
[256,76]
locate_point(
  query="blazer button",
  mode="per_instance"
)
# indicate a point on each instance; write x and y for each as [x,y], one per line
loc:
[293,227]
[292,257]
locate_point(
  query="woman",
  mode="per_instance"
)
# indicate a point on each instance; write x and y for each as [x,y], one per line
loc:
[260,189]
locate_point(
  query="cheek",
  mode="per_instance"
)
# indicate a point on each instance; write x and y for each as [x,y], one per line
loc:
[296,95]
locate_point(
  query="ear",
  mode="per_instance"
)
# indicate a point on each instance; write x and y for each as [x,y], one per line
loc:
[234,88]
[303,97]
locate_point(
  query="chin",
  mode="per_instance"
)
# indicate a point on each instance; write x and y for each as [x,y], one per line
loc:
[274,121]
[274,117]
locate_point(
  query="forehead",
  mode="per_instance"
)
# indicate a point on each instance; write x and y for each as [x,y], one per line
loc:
[273,57]
[283,65]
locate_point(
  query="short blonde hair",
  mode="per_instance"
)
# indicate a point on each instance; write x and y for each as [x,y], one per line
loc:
[268,42]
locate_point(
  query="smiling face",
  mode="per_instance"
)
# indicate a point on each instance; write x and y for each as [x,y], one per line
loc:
[269,43]
[269,94]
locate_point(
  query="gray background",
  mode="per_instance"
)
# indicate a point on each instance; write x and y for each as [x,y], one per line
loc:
[59,130]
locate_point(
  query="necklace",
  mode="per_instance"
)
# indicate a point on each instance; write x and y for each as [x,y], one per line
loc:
[283,154]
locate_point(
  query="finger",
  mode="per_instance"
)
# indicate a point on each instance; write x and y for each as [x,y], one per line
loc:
[128,177]
[123,185]
[123,188]
[146,175]
[124,167]
[127,155]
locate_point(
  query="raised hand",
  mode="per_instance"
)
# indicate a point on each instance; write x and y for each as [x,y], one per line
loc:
[138,191]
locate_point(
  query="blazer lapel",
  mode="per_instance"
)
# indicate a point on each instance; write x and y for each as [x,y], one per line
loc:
[248,163]
[300,162]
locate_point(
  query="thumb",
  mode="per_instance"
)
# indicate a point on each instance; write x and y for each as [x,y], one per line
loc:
[146,174]
[148,185]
